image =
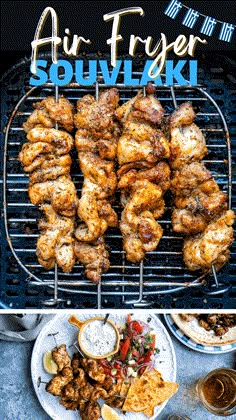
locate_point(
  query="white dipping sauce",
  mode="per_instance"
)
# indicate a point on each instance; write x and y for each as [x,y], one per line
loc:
[99,339]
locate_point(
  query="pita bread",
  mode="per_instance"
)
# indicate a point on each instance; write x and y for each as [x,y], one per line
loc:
[199,335]
[147,392]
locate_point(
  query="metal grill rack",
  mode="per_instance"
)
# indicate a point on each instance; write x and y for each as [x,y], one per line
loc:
[162,271]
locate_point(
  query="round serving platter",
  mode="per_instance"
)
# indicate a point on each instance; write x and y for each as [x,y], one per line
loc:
[60,330]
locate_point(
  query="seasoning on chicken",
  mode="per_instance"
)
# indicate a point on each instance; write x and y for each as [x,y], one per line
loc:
[94,370]
[60,193]
[197,197]
[94,256]
[188,143]
[96,142]
[70,392]
[200,205]
[117,398]
[94,209]
[56,385]
[56,242]
[91,411]
[81,384]
[46,158]
[158,174]
[142,178]
[69,404]
[211,246]
[141,233]
[48,112]
[61,357]
[75,363]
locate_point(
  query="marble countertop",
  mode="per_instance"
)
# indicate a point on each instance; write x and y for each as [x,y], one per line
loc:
[18,400]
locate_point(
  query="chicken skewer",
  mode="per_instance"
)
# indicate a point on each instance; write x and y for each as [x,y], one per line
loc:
[143,179]
[46,158]
[80,382]
[201,208]
[96,143]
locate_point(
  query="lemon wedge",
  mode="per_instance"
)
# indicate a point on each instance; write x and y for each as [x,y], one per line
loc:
[48,363]
[108,413]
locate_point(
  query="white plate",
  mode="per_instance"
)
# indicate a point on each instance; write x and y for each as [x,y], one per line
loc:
[184,339]
[165,361]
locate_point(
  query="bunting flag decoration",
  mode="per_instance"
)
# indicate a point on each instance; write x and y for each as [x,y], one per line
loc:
[226,32]
[173,9]
[207,26]
[190,18]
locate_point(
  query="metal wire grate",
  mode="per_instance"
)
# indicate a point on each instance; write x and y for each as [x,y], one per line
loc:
[163,271]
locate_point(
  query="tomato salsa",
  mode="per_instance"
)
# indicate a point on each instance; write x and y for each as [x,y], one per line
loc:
[135,355]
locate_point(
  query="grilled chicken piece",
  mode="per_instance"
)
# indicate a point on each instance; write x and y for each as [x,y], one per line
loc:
[141,233]
[43,144]
[140,139]
[97,116]
[94,256]
[97,131]
[97,215]
[86,392]
[69,404]
[51,168]
[211,246]
[158,174]
[91,411]
[93,369]
[98,393]
[55,385]
[151,150]
[38,118]
[187,222]
[70,392]
[105,148]
[60,111]
[188,143]
[188,317]
[120,391]
[207,198]
[99,183]
[60,139]
[55,243]
[141,108]
[99,174]
[60,193]
[195,189]
[188,178]
[183,115]
[48,112]
[79,378]
[81,383]
[75,363]
[32,155]
[197,197]
[61,357]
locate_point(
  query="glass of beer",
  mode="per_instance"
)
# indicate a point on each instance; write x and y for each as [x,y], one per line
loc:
[217,391]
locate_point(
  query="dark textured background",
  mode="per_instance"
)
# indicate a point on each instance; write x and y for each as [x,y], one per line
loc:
[19,21]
